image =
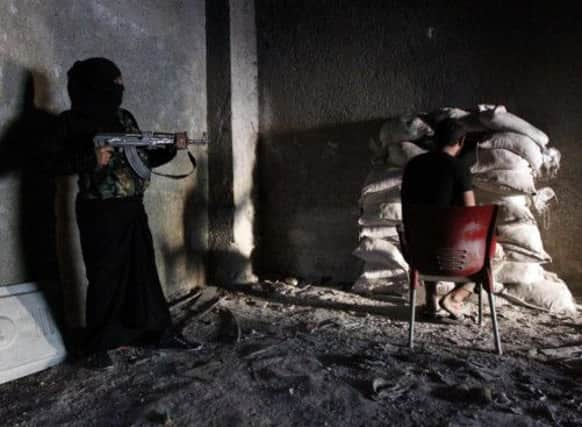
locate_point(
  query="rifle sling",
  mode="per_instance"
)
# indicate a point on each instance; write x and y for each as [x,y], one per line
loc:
[183,175]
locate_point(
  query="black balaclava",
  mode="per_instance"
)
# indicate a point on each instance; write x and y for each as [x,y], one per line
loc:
[92,89]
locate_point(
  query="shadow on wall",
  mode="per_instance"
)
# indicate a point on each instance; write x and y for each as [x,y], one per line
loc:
[309,185]
[192,254]
[21,148]
[195,249]
[20,151]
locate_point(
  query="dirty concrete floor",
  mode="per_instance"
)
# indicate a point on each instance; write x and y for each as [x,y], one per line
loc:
[279,354]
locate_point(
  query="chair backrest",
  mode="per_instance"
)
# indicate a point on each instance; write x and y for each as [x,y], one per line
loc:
[452,241]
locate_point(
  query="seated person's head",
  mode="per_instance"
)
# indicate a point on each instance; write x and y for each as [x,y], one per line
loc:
[449,135]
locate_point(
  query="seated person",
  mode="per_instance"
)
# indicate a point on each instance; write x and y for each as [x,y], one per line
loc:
[439,178]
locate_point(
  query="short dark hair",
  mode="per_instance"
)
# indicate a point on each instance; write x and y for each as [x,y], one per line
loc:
[449,132]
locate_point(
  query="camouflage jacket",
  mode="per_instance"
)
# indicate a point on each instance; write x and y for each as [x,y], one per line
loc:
[75,154]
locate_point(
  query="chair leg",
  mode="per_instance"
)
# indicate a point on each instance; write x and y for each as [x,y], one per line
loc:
[494,319]
[480,296]
[412,314]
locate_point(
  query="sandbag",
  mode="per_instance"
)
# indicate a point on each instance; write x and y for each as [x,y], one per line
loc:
[375,221]
[491,107]
[388,233]
[404,128]
[499,120]
[447,113]
[374,271]
[372,200]
[523,235]
[468,120]
[551,292]
[506,181]
[381,252]
[541,204]
[499,254]
[518,272]
[551,158]
[519,254]
[401,153]
[521,145]
[497,158]
[485,197]
[382,179]
[383,213]
[509,213]
[379,153]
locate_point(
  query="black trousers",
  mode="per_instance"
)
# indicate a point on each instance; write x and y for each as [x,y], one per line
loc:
[125,302]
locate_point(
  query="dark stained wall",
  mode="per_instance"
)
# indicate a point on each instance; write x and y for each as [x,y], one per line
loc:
[328,70]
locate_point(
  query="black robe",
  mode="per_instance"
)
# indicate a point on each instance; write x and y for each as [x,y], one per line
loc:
[125,302]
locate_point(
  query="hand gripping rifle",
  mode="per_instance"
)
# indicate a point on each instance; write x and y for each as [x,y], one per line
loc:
[130,142]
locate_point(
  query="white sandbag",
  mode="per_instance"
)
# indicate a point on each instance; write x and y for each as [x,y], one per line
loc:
[374,220]
[542,202]
[447,113]
[404,128]
[503,121]
[509,213]
[519,144]
[379,153]
[382,179]
[389,213]
[380,252]
[518,272]
[526,236]
[374,271]
[491,107]
[485,197]
[372,200]
[506,181]
[401,153]
[387,233]
[468,120]
[497,158]
[551,293]
[499,254]
[519,254]
[551,158]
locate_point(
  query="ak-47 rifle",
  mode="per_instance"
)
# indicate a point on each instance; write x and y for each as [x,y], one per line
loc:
[130,142]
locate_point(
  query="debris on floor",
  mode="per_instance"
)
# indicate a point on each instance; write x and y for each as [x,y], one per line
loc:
[281,353]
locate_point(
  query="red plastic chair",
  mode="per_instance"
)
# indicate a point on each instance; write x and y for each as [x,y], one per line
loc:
[454,244]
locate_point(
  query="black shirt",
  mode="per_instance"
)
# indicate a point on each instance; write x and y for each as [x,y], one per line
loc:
[435,178]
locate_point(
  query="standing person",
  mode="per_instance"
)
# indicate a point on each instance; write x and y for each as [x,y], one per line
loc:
[439,178]
[125,303]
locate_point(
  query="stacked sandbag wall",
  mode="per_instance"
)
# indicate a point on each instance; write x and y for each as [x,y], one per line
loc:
[384,268]
[511,160]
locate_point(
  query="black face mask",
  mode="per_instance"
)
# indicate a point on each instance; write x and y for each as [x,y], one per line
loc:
[92,87]
[106,96]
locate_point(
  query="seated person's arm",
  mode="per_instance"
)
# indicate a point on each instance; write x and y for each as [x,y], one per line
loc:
[469,198]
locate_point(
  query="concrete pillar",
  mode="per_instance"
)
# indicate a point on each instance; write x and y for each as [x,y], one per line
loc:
[233,129]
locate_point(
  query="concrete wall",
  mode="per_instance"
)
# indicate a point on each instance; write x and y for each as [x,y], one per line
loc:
[161,50]
[328,70]
[233,128]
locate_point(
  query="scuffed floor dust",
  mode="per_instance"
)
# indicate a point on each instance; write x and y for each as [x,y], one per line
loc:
[276,354]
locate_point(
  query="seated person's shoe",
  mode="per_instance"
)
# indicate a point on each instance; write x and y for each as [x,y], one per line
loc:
[99,362]
[179,342]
